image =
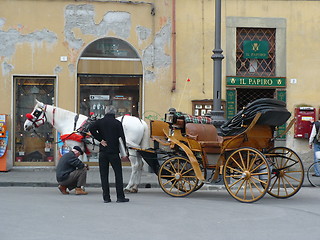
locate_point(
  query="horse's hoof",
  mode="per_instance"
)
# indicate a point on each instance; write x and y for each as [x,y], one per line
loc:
[134,190]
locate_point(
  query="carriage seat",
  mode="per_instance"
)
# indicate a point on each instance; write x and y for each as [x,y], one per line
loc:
[206,135]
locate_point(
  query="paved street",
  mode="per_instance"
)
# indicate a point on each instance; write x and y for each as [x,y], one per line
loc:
[32,213]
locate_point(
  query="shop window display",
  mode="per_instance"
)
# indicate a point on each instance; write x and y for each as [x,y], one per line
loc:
[33,147]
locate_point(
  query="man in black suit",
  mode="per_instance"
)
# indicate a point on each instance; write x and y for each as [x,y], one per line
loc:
[108,130]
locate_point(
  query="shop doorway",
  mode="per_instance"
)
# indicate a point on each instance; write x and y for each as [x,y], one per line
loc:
[247,95]
[98,91]
[30,148]
[110,73]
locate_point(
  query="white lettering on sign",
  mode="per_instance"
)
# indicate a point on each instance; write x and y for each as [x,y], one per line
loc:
[307,119]
[99,97]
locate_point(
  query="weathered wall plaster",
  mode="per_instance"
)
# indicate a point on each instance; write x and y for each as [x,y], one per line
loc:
[57,69]
[9,39]
[82,17]
[143,33]
[149,75]
[6,68]
[71,68]
[154,55]
[2,22]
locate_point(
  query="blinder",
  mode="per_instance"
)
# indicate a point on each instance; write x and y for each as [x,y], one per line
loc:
[35,117]
[37,113]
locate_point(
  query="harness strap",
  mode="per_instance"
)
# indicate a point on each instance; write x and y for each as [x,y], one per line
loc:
[53,112]
[76,117]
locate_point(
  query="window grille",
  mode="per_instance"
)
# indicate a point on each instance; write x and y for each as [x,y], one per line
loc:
[255,67]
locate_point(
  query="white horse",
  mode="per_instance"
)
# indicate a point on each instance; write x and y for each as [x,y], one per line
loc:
[66,122]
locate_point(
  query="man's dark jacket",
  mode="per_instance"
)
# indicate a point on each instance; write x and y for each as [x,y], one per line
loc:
[109,129]
[67,164]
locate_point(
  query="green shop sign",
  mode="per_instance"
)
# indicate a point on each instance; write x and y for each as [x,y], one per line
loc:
[255,49]
[231,103]
[256,81]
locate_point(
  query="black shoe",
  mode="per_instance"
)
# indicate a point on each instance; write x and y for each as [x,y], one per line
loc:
[107,201]
[123,200]
[315,175]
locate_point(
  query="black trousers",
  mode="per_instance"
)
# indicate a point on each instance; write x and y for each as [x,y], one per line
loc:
[115,161]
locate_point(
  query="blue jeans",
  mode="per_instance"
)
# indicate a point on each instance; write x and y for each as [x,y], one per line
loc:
[316,147]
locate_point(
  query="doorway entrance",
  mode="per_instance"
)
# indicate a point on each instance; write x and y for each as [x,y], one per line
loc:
[110,73]
[248,95]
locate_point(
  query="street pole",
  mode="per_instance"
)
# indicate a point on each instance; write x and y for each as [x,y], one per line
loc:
[217,115]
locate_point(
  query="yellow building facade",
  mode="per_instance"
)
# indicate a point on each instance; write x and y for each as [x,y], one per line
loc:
[147,56]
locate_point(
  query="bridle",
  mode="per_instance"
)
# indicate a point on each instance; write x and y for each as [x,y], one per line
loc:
[38,116]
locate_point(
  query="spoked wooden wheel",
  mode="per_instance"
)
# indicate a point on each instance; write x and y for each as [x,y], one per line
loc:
[246,175]
[287,172]
[177,178]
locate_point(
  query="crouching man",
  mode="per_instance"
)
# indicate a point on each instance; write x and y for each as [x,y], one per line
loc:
[71,172]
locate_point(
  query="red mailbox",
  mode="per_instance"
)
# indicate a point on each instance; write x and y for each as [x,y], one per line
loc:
[305,116]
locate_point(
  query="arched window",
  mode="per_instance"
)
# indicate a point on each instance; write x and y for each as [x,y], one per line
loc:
[110,48]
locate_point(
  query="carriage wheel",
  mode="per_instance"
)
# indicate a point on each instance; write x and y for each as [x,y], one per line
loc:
[287,172]
[246,175]
[311,174]
[176,177]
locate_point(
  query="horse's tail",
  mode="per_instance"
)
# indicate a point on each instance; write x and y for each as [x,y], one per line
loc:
[146,136]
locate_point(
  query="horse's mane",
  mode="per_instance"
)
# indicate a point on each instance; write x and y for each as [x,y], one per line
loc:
[60,112]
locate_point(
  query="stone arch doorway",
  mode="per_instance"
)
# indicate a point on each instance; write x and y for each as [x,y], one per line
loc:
[110,72]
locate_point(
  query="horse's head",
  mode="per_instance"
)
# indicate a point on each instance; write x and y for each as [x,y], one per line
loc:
[36,118]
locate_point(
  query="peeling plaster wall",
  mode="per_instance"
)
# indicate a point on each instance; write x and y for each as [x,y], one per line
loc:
[57,69]
[6,68]
[9,40]
[2,21]
[143,33]
[33,42]
[119,23]
[82,17]
[25,39]
[154,55]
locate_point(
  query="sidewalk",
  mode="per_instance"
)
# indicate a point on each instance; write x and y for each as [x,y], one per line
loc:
[46,177]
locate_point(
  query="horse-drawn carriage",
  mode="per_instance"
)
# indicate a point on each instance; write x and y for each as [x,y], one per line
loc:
[245,157]
[184,152]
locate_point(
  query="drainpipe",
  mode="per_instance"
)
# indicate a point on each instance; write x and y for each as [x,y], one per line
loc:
[174,66]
